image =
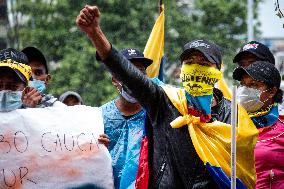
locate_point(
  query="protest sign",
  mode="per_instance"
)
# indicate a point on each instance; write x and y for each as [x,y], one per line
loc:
[53,148]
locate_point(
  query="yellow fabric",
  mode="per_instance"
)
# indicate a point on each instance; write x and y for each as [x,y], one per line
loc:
[154,48]
[222,85]
[23,68]
[212,141]
[199,80]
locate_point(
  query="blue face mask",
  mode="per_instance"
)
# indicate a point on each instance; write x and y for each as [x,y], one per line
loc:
[127,96]
[38,84]
[10,100]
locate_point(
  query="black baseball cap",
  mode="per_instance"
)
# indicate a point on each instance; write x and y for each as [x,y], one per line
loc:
[258,49]
[260,71]
[134,54]
[210,50]
[35,54]
[22,71]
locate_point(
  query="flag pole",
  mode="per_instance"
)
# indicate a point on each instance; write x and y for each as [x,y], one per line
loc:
[250,20]
[234,119]
[160,6]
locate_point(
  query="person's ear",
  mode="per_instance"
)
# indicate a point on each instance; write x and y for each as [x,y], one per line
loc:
[116,83]
[47,79]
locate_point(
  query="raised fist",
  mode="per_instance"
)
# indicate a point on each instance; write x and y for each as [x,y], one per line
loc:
[88,20]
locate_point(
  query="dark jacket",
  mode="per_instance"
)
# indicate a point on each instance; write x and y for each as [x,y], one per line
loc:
[173,160]
[222,111]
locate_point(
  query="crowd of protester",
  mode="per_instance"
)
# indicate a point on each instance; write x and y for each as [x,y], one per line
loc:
[141,116]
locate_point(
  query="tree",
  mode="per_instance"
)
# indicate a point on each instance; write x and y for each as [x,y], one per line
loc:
[50,26]
[223,22]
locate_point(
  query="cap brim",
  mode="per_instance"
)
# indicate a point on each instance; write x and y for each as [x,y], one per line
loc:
[183,55]
[21,76]
[238,56]
[240,71]
[147,62]
[18,73]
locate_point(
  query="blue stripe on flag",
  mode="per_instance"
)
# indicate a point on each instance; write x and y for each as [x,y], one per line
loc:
[161,71]
[223,181]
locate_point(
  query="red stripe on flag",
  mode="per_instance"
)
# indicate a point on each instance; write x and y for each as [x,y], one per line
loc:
[142,178]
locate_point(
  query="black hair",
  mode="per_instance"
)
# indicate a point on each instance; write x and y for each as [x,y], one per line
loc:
[278,97]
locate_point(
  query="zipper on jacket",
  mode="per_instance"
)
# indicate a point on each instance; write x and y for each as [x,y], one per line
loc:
[160,173]
[271,177]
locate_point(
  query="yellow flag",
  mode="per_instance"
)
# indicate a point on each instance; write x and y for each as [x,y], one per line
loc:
[222,85]
[154,48]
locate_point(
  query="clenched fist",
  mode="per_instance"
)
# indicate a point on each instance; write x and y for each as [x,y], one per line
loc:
[88,20]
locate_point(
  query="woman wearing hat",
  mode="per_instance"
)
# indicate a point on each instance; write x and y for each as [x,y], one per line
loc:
[260,94]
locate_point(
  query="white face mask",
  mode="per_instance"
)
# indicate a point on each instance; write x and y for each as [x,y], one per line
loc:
[249,98]
[127,96]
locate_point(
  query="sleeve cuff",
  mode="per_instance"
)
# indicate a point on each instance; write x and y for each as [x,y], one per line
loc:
[111,53]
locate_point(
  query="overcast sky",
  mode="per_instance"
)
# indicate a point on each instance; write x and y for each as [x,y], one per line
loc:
[271,25]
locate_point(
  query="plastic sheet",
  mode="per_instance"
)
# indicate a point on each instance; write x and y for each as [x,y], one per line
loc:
[53,148]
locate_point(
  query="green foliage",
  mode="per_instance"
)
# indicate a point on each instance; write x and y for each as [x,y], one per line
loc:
[220,21]
[50,26]
[225,23]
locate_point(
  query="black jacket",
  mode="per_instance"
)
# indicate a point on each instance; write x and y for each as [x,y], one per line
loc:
[174,162]
[222,111]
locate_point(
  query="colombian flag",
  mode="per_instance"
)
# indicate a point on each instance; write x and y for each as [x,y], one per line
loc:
[244,121]
[212,142]
[222,85]
[154,50]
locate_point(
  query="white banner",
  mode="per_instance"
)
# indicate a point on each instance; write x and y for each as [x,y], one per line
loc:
[53,148]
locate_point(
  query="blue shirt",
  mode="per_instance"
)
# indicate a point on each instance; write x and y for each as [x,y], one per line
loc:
[125,142]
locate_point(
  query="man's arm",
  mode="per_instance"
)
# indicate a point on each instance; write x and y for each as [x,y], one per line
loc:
[89,22]
[144,90]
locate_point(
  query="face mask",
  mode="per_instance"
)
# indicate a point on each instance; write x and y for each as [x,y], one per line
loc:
[199,80]
[249,98]
[127,96]
[10,100]
[38,84]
